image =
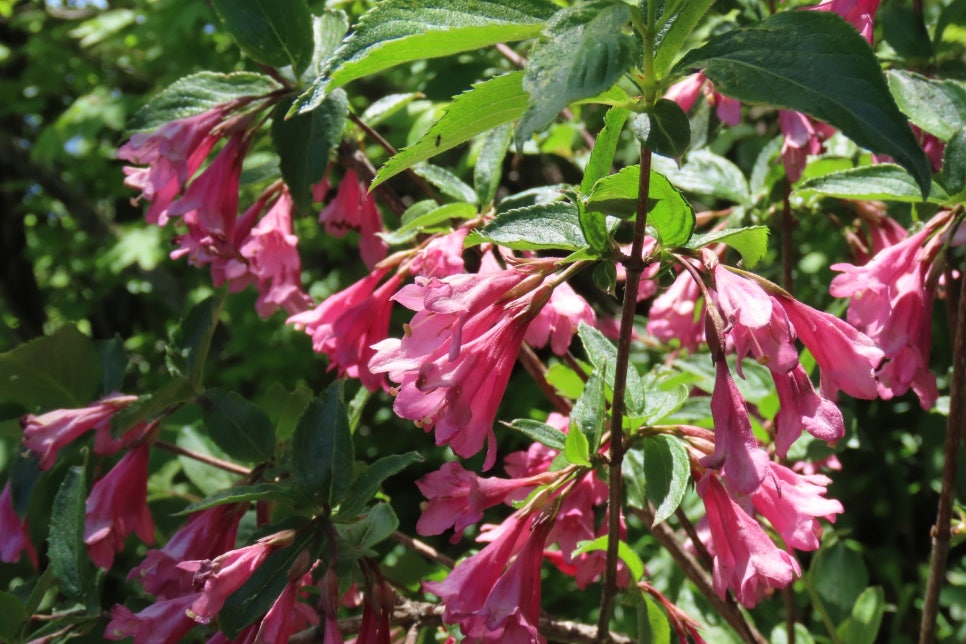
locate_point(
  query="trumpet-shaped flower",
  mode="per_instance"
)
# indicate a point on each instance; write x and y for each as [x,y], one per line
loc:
[14,533]
[163,622]
[686,92]
[220,577]
[801,408]
[354,209]
[677,313]
[557,322]
[793,503]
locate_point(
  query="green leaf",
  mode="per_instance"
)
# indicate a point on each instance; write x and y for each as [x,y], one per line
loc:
[433,216]
[904,30]
[593,225]
[447,182]
[936,106]
[61,370]
[814,62]
[666,474]
[240,494]
[199,93]
[565,380]
[14,617]
[590,411]
[113,364]
[602,156]
[552,225]
[386,106]
[488,169]
[670,214]
[882,181]
[664,129]
[303,143]
[706,173]
[954,163]
[539,432]
[239,427]
[603,355]
[634,483]
[652,623]
[273,32]
[176,391]
[328,31]
[190,341]
[683,19]
[400,31]
[577,449]
[863,625]
[254,597]
[839,576]
[207,478]
[67,551]
[605,277]
[375,526]
[583,52]
[750,241]
[322,450]
[366,484]
[285,408]
[483,107]
[662,402]
[630,558]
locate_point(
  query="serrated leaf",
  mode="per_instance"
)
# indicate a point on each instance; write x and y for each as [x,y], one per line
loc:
[590,411]
[240,494]
[936,106]
[61,370]
[602,156]
[254,597]
[751,242]
[67,552]
[303,143]
[539,432]
[434,216]
[814,62]
[670,214]
[328,30]
[582,52]
[662,402]
[577,448]
[483,107]
[322,450]
[190,341]
[666,474]
[447,182]
[366,484]
[954,163]
[273,32]
[488,169]
[706,173]
[630,558]
[664,129]
[683,18]
[239,427]
[883,181]
[603,355]
[199,93]
[553,225]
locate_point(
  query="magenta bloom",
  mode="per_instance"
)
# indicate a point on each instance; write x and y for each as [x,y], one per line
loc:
[286,616]
[890,302]
[354,209]
[685,93]
[858,13]
[803,136]
[163,622]
[347,324]
[793,503]
[274,261]
[557,322]
[455,360]
[677,313]
[46,434]
[117,506]
[441,256]
[14,533]
[745,559]
[207,534]
[801,408]
[743,464]
[220,577]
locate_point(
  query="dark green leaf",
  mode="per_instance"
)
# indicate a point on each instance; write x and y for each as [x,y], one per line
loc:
[839,576]
[303,143]
[666,474]
[706,173]
[862,627]
[366,484]
[61,370]
[582,52]
[285,408]
[937,106]
[814,62]
[113,364]
[664,129]
[14,617]
[953,13]
[67,552]
[190,341]
[374,527]
[577,448]
[328,30]
[603,355]
[485,106]
[751,242]
[883,181]
[552,225]
[240,494]
[238,426]
[605,277]
[447,182]
[199,93]
[602,156]
[590,411]
[954,163]
[904,30]
[539,432]
[488,169]
[207,478]
[682,21]
[593,225]
[149,406]
[322,450]
[273,32]
[630,558]
[634,483]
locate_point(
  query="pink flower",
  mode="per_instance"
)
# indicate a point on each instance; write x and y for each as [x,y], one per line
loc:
[347,325]
[286,616]
[14,533]
[736,450]
[441,256]
[793,503]
[354,209]
[557,322]
[207,534]
[678,314]
[801,408]
[803,137]
[858,13]
[274,261]
[46,434]
[455,360]
[163,622]
[685,93]
[117,506]
[745,559]
[220,577]
[173,152]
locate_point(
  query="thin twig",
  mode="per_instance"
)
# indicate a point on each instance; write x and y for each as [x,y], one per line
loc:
[423,548]
[203,458]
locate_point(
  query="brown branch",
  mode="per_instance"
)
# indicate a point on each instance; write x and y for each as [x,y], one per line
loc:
[423,548]
[203,458]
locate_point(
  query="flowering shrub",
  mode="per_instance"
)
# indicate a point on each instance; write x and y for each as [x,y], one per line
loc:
[664,400]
